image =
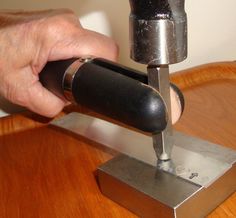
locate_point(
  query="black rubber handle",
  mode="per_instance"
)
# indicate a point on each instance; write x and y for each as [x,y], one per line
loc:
[137,75]
[52,76]
[109,92]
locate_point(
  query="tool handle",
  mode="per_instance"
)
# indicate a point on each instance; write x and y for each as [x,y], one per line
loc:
[96,86]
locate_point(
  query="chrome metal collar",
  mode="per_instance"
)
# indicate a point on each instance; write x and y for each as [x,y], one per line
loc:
[70,74]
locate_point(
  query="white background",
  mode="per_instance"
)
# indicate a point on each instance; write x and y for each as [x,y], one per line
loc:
[211,27]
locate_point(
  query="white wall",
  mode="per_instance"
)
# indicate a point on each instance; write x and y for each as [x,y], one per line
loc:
[211,25]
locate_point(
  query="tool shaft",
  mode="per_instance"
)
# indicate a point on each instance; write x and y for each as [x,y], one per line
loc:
[158,78]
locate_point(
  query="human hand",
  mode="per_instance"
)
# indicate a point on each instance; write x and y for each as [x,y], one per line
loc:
[28,40]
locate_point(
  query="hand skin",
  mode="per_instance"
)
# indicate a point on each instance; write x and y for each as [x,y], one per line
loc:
[28,40]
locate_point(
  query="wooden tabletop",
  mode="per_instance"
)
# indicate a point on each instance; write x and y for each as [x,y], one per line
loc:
[45,172]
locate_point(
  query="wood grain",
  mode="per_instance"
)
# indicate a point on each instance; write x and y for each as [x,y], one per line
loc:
[45,172]
[205,73]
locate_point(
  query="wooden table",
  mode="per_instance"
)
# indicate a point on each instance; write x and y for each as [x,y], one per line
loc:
[45,172]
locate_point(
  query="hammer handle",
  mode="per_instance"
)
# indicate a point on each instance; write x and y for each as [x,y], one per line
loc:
[105,87]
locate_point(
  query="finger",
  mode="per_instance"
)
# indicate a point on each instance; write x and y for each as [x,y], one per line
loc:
[83,44]
[176,105]
[98,45]
[44,102]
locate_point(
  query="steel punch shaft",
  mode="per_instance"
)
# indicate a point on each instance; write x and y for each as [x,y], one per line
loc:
[108,89]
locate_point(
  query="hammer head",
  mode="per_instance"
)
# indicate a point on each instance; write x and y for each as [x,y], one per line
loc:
[158,31]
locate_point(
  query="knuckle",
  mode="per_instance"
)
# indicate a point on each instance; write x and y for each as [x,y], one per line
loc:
[58,25]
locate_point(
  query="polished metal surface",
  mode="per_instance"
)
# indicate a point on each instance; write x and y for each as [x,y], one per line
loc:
[190,156]
[142,188]
[158,78]
[158,31]
[127,168]
[150,192]
[68,79]
[69,76]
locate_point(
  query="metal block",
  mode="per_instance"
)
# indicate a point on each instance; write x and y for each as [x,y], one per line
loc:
[198,178]
[151,192]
